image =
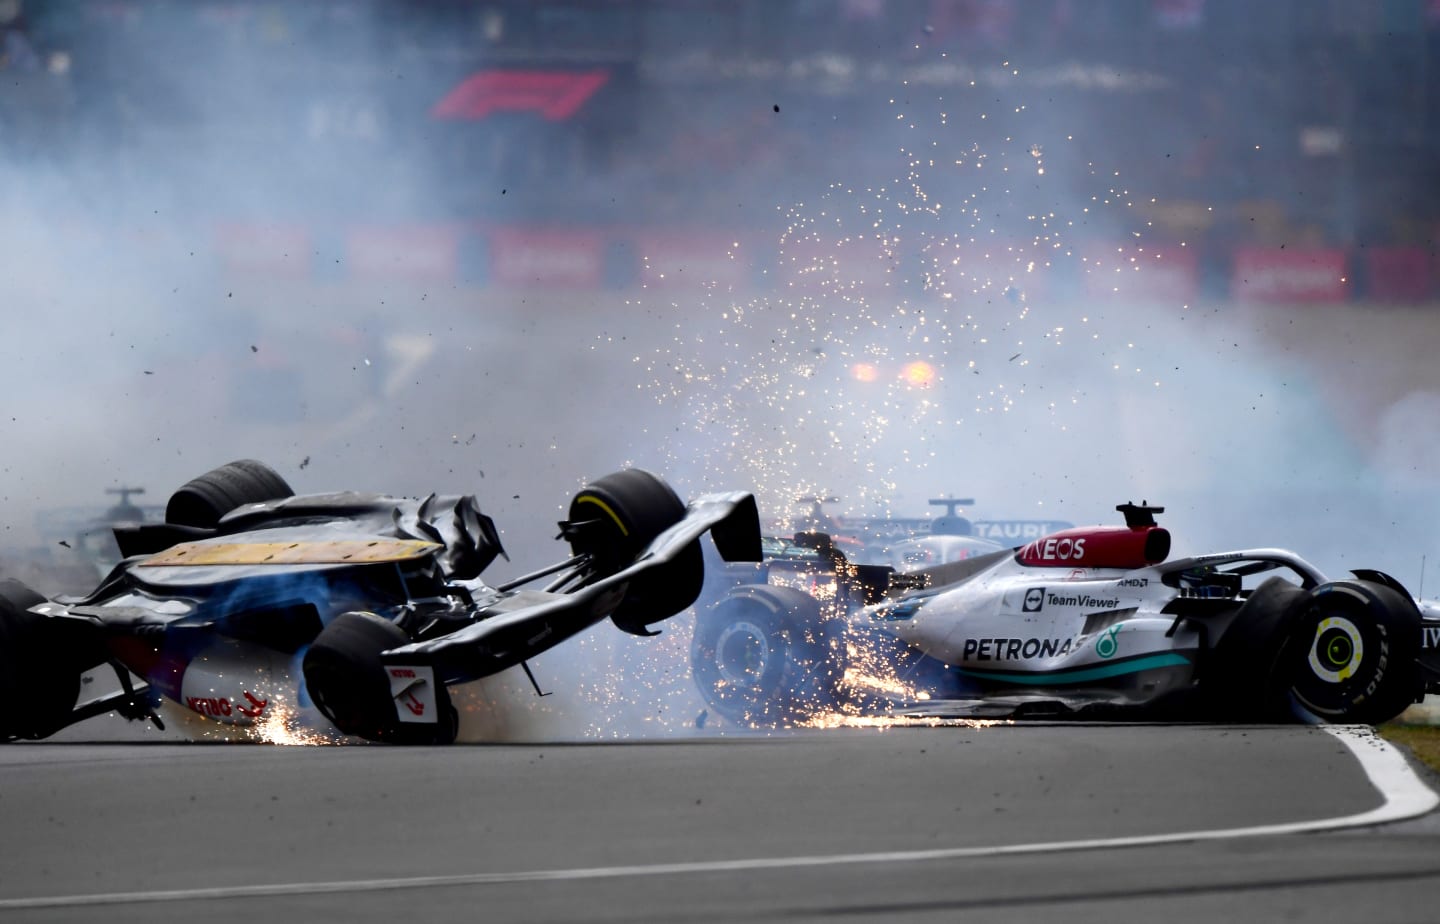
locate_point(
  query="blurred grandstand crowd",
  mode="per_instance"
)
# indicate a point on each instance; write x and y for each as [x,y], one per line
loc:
[158,157]
[1299,122]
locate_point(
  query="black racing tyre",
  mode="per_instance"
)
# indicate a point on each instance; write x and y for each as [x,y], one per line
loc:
[628,509]
[39,675]
[1352,653]
[1240,675]
[625,511]
[349,684]
[203,500]
[766,656]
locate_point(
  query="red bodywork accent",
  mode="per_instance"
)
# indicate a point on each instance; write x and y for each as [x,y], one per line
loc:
[257,706]
[1098,547]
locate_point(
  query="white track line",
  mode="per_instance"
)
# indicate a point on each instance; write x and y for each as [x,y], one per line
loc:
[1403,796]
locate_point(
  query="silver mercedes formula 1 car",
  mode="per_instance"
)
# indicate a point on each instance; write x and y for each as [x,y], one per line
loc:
[248,602]
[1090,621]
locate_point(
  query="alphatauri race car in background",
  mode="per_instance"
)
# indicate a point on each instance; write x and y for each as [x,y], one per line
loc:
[907,543]
[1085,621]
[249,602]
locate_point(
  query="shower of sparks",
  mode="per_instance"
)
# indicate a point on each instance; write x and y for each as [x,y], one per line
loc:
[903,313]
[282,725]
[842,720]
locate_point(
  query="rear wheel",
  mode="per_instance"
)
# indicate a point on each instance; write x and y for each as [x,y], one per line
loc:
[203,500]
[1241,677]
[614,519]
[348,683]
[766,656]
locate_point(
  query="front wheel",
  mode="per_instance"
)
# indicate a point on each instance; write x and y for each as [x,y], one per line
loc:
[766,656]
[349,684]
[613,519]
[1352,654]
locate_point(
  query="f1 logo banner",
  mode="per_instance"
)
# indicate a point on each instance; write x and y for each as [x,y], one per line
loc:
[555,95]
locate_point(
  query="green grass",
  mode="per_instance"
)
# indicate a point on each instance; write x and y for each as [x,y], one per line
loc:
[1422,740]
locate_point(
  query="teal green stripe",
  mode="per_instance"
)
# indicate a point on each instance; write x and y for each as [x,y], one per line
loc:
[1083,675]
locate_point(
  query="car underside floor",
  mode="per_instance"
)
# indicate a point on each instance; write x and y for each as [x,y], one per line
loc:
[134,702]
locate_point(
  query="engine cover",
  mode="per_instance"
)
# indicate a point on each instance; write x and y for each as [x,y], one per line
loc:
[1098,547]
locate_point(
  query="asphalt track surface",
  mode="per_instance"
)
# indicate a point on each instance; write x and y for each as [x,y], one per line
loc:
[1008,823]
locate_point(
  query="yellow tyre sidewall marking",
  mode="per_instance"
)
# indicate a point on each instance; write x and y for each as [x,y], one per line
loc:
[590,499]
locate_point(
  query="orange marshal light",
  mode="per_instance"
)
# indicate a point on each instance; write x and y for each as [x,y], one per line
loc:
[918,374]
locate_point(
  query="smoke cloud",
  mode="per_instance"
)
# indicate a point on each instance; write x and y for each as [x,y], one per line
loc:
[982,217]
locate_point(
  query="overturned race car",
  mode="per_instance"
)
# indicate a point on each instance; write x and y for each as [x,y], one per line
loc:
[1084,622]
[249,602]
